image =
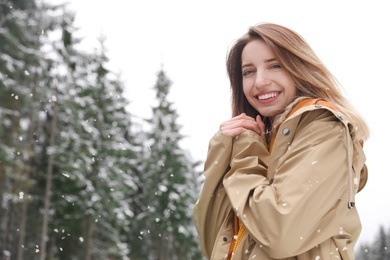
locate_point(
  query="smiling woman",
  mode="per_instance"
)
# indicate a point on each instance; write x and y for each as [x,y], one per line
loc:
[287,193]
[193,53]
[259,70]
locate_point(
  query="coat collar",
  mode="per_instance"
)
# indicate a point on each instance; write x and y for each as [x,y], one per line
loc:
[311,101]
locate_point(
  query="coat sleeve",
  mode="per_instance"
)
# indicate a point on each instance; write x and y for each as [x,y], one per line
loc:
[213,205]
[299,209]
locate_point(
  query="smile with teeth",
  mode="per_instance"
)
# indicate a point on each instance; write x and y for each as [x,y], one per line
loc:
[267,96]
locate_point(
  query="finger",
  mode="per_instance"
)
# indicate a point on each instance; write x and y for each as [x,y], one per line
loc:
[242,123]
[242,116]
[241,119]
[260,123]
[234,132]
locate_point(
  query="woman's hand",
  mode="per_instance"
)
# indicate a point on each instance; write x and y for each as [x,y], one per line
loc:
[241,123]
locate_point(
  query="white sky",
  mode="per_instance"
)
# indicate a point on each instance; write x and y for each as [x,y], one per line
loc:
[191,40]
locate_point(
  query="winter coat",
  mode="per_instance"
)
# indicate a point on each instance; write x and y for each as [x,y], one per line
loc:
[296,202]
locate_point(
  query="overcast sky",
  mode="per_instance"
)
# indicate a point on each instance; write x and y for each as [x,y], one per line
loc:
[190,39]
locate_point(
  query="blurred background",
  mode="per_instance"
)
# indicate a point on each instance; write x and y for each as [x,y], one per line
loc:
[107,108]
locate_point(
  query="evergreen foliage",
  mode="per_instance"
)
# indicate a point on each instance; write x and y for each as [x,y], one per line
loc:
[379,249]
[169,187]
[22,73]
[78,178]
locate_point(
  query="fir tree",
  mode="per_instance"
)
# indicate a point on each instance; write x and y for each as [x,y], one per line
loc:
[22,70]
[94,157]
[165,227]
[379,249]
[73,173]
[73,191]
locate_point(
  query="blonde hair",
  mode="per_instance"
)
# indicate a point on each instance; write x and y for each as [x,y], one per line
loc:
[311,77]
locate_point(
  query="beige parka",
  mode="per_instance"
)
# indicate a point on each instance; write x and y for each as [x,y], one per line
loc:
[296,202]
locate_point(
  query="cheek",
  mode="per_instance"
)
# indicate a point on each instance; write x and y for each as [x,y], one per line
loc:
[246,89]
[290,89]
[292,92]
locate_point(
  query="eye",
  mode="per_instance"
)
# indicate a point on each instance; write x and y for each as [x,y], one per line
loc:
[275,66]
[247,72]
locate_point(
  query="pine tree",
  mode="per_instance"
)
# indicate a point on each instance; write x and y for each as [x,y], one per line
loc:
[379,249]
[165,229]
[21,70]
[113,163]
[48,88]
[91,191]
[94,156]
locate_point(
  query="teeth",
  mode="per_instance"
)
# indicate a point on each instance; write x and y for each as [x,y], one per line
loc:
[266,96]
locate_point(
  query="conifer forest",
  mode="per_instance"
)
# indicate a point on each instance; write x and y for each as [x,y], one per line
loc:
[80,178]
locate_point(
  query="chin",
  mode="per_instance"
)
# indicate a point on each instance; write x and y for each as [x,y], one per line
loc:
[270,112]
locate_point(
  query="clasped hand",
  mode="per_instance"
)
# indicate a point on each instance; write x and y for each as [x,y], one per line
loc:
[241,123]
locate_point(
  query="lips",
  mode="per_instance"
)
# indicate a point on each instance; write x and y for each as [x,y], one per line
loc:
[267,95]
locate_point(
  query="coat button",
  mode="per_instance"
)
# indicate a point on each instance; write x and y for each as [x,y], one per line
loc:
[286,131]
[225,239]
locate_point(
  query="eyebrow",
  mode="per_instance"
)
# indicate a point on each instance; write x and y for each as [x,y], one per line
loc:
[265,61]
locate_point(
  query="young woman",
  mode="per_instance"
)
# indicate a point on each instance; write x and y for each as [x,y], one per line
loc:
[282,173]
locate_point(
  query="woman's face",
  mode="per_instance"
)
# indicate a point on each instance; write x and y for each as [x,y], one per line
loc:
[268,88]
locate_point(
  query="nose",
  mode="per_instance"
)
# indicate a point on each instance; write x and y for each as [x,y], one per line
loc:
[261,79]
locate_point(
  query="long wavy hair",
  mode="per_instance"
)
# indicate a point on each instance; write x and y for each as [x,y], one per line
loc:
[311,77]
